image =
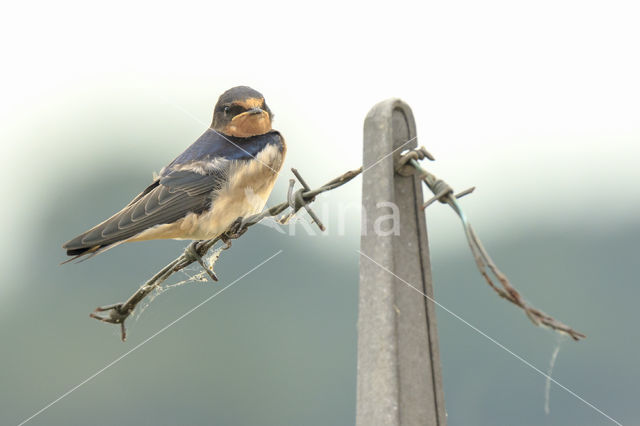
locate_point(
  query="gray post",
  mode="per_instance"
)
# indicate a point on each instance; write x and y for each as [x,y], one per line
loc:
[399,376]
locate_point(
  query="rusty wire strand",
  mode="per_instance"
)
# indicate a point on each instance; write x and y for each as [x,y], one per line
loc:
[119,312]
[444,193]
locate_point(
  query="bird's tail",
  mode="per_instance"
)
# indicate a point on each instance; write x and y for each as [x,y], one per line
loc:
[81,252]
[84,253]
[81,249]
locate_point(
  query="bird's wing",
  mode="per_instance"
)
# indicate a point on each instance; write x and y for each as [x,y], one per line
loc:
[168,199]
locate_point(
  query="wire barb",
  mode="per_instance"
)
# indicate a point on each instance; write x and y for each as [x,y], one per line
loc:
[488,269]
[414,154]
[191,253]
[305,204]
[465,192]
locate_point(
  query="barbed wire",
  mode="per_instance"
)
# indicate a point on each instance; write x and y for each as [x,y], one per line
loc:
[407,165]
[119,312]
[296,200]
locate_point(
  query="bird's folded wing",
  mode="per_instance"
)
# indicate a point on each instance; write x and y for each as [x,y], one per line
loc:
[167,200]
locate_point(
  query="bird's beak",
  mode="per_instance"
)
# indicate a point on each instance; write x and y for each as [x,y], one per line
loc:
[255,111]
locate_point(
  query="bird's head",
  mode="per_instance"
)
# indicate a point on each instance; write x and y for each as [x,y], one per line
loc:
[242,112]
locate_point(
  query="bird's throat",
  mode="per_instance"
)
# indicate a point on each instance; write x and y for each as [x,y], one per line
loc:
[247,125]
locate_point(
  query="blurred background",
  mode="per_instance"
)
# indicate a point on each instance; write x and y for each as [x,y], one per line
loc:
[535,103]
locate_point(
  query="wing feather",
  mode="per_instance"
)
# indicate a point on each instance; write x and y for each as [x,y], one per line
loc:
[174,196]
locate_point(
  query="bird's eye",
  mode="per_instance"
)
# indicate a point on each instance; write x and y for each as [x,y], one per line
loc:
[227,110]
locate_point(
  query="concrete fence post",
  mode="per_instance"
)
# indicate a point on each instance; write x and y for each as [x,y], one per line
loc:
[399,376]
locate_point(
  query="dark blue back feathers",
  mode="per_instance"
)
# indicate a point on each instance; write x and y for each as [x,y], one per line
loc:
[215,145]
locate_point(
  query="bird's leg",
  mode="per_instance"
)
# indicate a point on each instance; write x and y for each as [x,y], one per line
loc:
[191,253]
[235,230]
[116,316]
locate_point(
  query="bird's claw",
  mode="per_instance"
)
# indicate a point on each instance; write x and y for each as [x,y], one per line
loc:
[235,230]
[116,316]
[191,253]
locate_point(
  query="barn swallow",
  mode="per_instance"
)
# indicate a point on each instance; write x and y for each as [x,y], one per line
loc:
[227,173]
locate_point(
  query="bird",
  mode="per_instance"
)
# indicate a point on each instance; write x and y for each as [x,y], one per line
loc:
[226,174]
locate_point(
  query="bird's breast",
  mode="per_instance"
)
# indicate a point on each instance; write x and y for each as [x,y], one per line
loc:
[246,191]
